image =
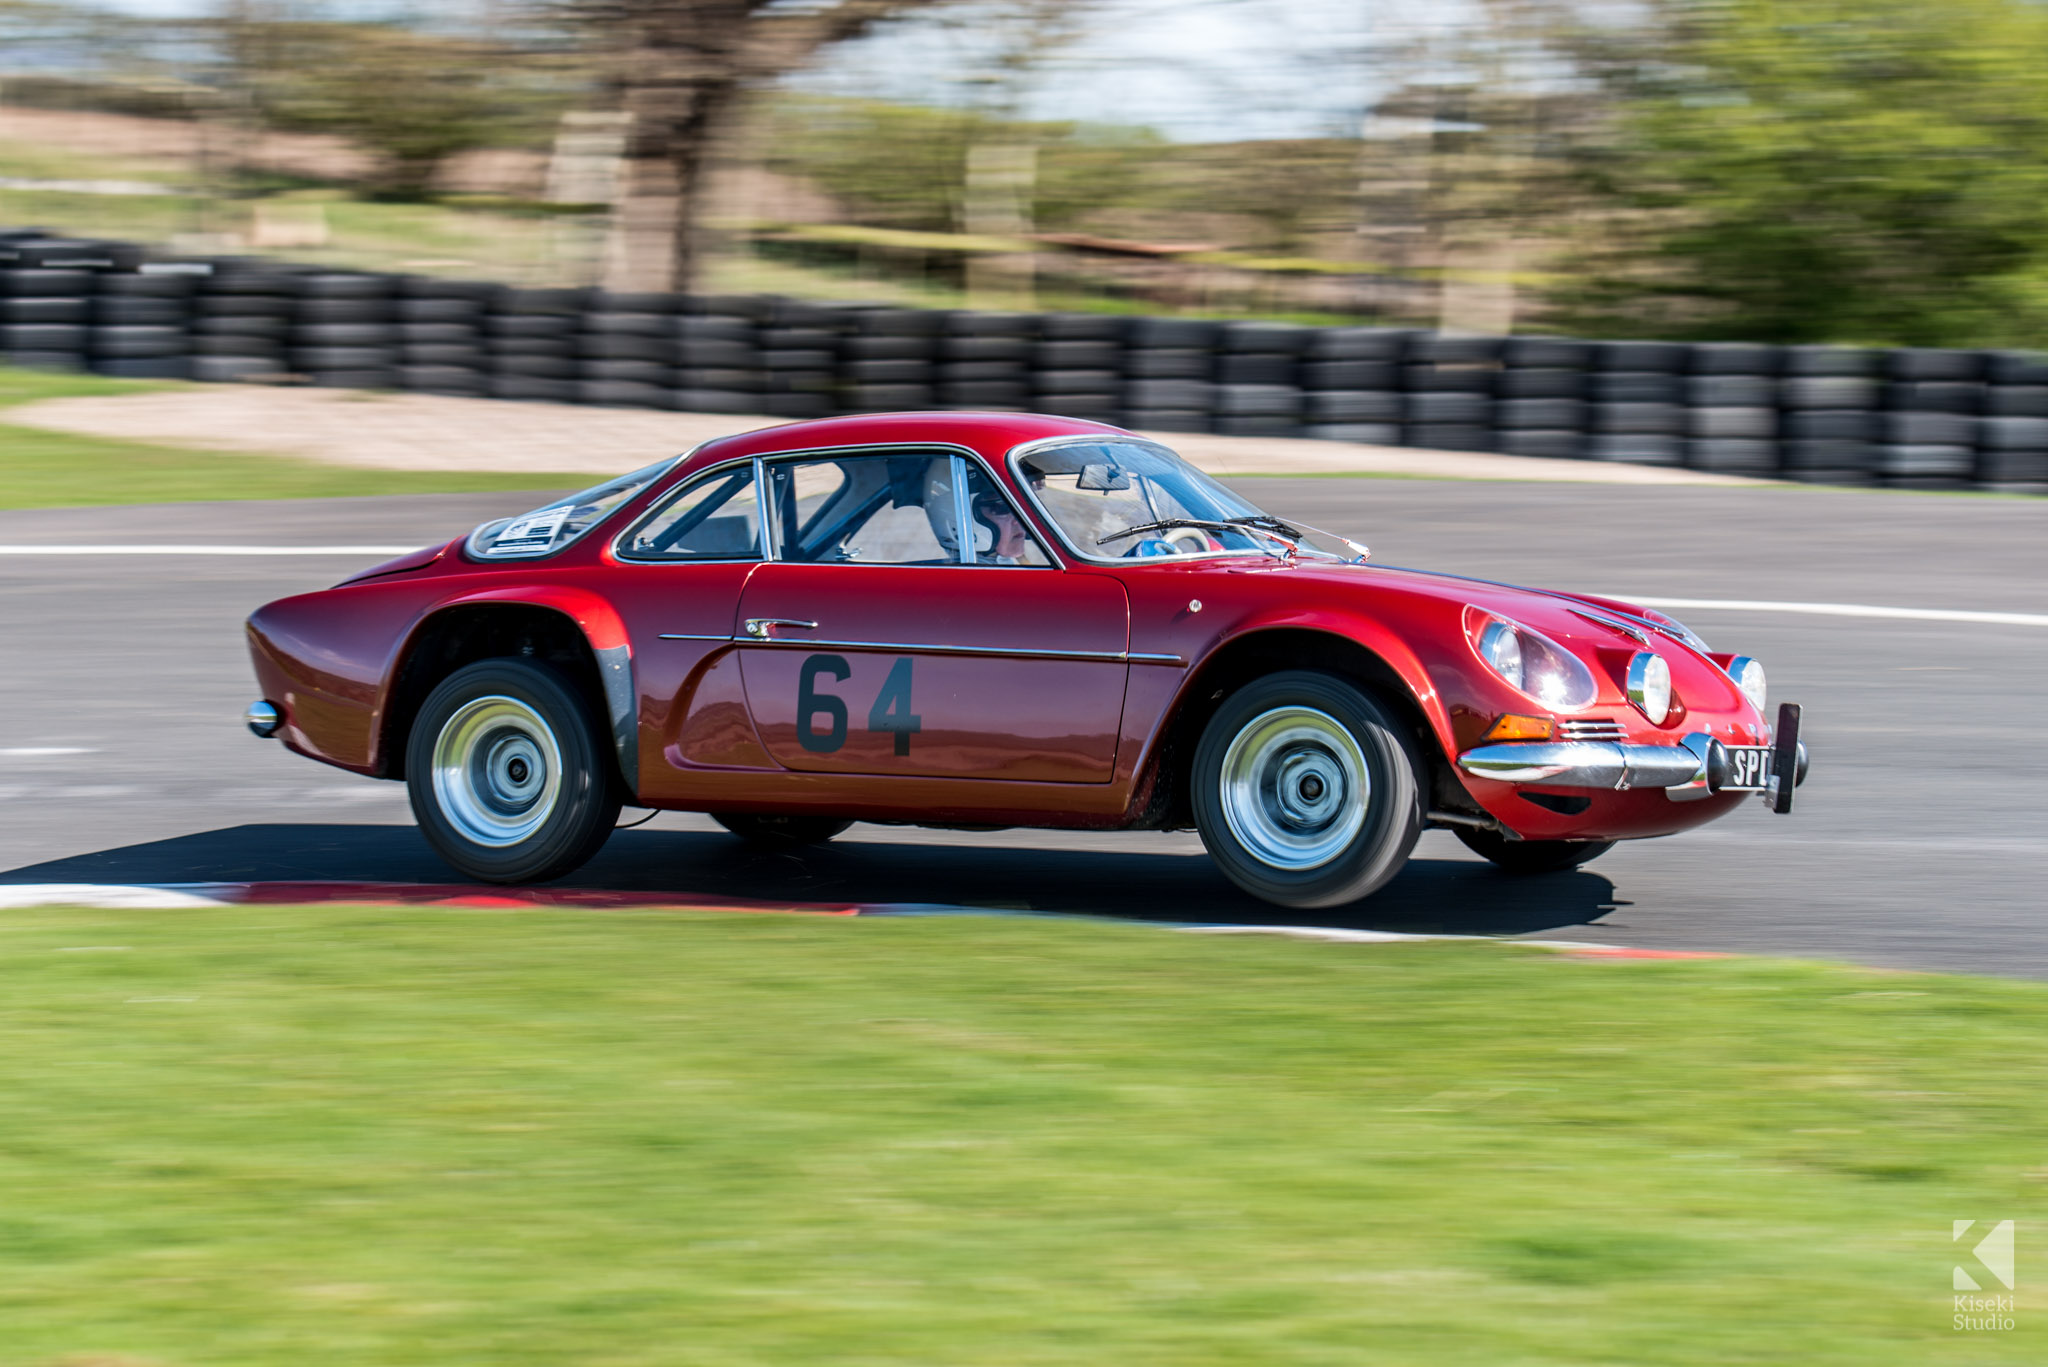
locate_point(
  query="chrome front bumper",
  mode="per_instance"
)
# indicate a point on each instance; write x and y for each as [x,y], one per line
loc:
[1686,772]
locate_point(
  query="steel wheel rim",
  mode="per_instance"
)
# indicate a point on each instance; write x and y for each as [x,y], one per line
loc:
[1295,788]
[497,771]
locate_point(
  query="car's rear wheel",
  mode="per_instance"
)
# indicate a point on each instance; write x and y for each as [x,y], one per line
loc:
[1532,856]
[1305,791]
[507,775]
[780,831]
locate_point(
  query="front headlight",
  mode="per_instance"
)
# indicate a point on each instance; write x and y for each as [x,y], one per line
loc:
[1749,677]
[1531,662]
[1649,686]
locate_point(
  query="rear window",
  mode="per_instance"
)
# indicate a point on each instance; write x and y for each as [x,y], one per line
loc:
[547,530]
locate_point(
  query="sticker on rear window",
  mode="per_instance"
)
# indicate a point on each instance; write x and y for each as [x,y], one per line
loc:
[532,532]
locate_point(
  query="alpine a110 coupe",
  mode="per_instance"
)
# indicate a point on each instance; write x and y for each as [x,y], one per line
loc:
[981,620]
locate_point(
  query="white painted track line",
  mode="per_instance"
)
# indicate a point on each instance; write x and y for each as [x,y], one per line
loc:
[206,550]
[2008,619]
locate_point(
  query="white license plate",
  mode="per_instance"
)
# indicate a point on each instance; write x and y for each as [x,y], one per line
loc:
[1749,768]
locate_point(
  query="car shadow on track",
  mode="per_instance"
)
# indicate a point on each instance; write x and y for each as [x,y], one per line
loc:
[1446,896]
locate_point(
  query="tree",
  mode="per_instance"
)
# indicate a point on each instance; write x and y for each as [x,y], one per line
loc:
[411,98]
[1819,170]
[682,69]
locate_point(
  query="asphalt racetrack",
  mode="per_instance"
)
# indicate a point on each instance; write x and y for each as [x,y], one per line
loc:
[1920,840]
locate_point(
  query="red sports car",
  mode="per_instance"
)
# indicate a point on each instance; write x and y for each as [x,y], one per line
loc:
[997,619]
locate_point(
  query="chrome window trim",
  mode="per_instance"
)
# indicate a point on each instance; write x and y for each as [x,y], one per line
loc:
[963,512]
[764,509]
[653,510]
[959,454]
[653,481]
[1014,457]
[771,532]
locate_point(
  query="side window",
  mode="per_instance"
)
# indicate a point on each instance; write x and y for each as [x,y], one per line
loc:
[715,518]
[868,510]
[1001,536]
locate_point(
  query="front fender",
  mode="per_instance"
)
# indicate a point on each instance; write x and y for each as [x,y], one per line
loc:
[1389,645]
[1260,641]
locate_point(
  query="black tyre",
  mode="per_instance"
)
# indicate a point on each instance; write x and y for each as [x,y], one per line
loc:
[1305,791]
[1532,856]
[782,832]
[508,775]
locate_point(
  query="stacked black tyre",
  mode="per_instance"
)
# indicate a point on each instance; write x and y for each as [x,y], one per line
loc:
[141,324]
[1166,374]
[343,334]
[2012,435]
[1829,400]
[1933,401]
[1351,384]
[1540,405]
[1637,403]
[1450,383]
[438,326]
[985,361]
[626,351]
[889,360]
[45,313]
[1077,366]
[242,323]
[1731,410]
[799,360]
[1258,379]
[531,347]
[718,354]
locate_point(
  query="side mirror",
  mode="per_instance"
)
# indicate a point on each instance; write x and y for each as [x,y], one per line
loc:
[1102,479]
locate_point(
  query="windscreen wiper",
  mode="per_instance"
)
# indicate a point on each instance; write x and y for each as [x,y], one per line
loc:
[1273,524]
[1202,524]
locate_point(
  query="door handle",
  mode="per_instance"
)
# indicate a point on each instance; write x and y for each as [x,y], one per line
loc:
[760,627]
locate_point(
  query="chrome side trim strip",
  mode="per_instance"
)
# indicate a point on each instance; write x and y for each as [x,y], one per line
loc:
[1610,621]
[689,636]
[999,652]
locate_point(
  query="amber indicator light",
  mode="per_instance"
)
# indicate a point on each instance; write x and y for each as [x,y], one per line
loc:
[1513,727]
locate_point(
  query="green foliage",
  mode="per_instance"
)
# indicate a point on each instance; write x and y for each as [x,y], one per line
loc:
[411,97]
[1827,170]
[355,1137]
[902,166]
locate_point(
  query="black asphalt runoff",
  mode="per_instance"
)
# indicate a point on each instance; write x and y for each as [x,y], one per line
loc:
[1921,840]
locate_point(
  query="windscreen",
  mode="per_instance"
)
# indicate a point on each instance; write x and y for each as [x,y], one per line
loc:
[548,529]
[1131,500]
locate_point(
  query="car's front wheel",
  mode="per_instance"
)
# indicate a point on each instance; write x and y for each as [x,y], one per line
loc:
[1532,856]
[1305,791]
[506,774]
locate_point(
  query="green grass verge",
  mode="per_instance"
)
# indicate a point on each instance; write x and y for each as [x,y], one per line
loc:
[40,469]
[272,1135]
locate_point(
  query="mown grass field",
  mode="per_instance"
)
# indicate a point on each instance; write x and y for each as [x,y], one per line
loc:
[40,469]
[271,1135]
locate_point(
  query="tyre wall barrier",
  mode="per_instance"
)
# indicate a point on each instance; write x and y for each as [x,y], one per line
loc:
[1848,415]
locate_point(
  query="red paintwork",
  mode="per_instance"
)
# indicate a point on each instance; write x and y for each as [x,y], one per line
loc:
[1003,741]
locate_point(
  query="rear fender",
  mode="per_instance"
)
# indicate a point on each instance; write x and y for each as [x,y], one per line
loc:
[593,617]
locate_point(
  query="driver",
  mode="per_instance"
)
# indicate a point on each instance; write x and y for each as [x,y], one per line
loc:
[1000,518]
